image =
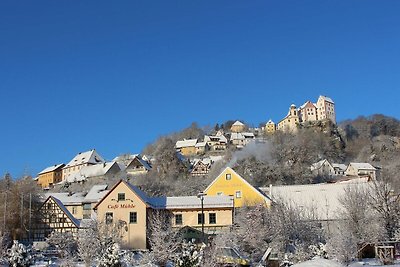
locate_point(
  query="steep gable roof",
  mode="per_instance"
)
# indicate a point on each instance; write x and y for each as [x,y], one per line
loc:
[64,209]
[186,143]
[90,157]
[52,168]
[139,193]
[92,171]
[325,98]
[144,163]
[259,192]
[238,123]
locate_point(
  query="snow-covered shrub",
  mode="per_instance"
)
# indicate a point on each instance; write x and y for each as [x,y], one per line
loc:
[19,255]
[110,257]
[188,256]
[318,251]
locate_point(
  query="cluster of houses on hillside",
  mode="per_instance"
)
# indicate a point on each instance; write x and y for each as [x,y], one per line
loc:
[90,164]
[129,209]
[353,169]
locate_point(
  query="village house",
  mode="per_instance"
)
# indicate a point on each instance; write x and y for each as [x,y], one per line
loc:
[230,183]
[105,170]
[328,169]
[186,147]
[80,204]
[53,216]
[81,160]
[291,122]
[241,139]
[137,165]
[201,167]
[270,127]
[237,127]
[127,205]
[216,142]
[50,176]
[201,148]
[361,169]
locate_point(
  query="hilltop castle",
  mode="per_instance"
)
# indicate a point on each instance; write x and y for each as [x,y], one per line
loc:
[322,110]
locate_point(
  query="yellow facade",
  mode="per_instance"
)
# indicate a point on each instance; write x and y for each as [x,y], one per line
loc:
[230,183]
[270,127]
[188,151]
[49,178]
[291,121]
[224,218]
[119,211]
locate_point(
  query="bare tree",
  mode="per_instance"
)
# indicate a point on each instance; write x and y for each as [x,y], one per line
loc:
[163,239]
[385,201]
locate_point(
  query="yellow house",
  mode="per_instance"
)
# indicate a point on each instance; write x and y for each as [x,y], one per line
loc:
[50,176]
[230,183]
[128,206]
[187,147]
[238,127]
[270,127]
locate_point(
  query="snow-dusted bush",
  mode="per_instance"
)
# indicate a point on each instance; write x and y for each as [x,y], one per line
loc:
[318,251]
[188,255]
[19,255]
[110,257]
[65,243]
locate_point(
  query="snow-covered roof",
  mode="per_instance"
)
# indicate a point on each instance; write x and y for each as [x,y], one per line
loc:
[66,211]
[91,171]
[52,168]
[125,157]
[237,136]
[96,193]
[322,198]
[362,166]
[191,202]
[325,98]
[201,144]
[319,164]
[238,123]
[305,104]
[340,166]
[186,143]
[91,157]
[248,135]
[67,198]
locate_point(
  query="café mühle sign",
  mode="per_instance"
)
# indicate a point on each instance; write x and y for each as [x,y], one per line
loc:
[121,206]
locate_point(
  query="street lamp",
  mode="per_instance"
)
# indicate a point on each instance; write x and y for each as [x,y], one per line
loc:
[201,196]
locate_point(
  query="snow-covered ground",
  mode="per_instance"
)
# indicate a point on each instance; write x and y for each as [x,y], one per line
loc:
[331,263]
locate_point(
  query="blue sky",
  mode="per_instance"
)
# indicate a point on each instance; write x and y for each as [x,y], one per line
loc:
[115,75]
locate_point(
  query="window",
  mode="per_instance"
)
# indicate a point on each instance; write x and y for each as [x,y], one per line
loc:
[200,218]
[178,219]
[219,193]
[212,218]
[109,217]
[228,176]
[73,210]
[87,206]
[238,194]
[132,217]
[121,196]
